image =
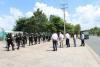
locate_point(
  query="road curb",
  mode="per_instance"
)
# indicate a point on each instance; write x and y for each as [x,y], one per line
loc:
[95,56]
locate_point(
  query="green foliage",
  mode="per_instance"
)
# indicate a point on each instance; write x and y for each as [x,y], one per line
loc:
[40,23]
[57,23]
[95,31]
[21,22]
[77,29]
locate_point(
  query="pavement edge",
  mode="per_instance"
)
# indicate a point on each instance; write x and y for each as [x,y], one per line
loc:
[95,56]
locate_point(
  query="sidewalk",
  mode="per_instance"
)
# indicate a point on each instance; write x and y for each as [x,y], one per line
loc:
[41,55]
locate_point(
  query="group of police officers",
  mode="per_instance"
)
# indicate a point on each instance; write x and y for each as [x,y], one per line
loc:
[20,40]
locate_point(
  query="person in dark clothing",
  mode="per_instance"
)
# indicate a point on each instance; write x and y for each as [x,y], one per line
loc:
[18,41]
[67,39]
[35,38]
[44,38]
[30,39]
[9,41]
[23,40]
[39,38]
[82,40]
[25,37]
[49,36]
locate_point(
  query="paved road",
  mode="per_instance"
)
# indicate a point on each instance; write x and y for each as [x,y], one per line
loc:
[94,43]
[41,55]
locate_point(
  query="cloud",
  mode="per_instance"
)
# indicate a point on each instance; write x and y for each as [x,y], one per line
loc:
[50,10]
[29,14]
[9,21]
[15,12]
[87,16]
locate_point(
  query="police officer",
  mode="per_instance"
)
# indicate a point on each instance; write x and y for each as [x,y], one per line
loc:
[44,37]
[23,40]
[49,36]
[35,38]
[39,37]
[18,40]
[9,41]
[30,39]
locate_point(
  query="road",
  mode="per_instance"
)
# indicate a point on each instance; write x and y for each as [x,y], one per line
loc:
[94,43]
[41,55]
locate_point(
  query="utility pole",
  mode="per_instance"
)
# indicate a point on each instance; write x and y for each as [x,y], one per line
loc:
[64,8]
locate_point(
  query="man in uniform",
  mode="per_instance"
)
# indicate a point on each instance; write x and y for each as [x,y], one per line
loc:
[9,41]
[23,40]
[18,40]
[44,37]
[35,38]
[39,37]
[30,39]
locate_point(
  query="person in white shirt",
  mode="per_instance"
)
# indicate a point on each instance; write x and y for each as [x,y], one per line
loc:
[55,41]
[67,39]
[61,38]
[82,40]
[74,38]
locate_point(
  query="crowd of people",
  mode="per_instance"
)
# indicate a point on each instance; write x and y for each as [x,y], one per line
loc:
[60,38]
[20,40]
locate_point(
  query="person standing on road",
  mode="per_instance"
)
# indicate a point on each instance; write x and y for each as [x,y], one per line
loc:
[23,40]
[30,39]
[18,41]
[68,39]
[61,37]
[35,38]
[54,40]
[9,41]
[39,38]
[74,38]
[82,40]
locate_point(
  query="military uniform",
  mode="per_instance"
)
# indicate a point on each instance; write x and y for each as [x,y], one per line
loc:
[9,41]
[30,40]
[35,38]
[39,38]
[23,40]
[18,41]
[44,38]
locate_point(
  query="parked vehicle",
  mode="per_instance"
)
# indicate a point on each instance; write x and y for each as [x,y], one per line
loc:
[86,34]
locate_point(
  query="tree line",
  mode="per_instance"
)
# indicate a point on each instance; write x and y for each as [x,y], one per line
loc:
[95,31]
[40,23]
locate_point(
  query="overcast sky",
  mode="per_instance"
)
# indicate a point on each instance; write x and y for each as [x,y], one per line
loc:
[83,12]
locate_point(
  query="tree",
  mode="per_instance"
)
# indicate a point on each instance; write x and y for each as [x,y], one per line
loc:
[56,23]
[36,23]
[20,24]
[40,20]
[95,31]
[77,29]
[40,23]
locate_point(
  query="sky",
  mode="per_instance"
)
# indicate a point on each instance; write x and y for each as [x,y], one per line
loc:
[83,12]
